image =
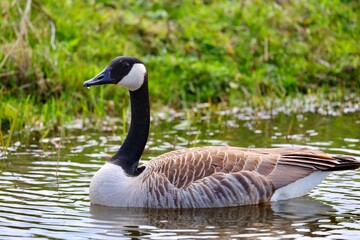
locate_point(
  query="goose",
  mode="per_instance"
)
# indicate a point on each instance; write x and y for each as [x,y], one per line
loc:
[199,177]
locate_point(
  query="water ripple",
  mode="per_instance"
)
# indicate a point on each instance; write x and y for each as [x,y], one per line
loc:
[44,187]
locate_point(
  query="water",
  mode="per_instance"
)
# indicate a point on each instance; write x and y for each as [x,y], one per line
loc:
[44,183]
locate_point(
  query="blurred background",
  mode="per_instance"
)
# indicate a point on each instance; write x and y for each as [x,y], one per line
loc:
[195,51]
[250,73]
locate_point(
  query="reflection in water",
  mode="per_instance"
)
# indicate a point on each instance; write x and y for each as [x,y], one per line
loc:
[44,188]
[254,220]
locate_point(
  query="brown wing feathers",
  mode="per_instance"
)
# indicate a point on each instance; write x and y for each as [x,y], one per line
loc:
[231,176]
[345,163]
[281,165]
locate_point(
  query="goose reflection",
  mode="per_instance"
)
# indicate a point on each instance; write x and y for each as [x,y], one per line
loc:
[282,217]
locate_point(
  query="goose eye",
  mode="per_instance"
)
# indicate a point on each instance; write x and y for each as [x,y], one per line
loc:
[125,65]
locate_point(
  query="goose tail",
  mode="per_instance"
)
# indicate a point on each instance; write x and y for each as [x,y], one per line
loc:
[345,163]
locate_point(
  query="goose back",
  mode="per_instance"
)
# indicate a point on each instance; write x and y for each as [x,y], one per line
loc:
[230,176]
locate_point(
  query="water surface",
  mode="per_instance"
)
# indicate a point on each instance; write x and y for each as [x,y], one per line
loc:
[44,182]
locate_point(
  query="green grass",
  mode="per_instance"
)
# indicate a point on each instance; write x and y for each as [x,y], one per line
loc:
[195,51]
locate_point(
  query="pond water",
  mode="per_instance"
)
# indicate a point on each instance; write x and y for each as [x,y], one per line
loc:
[44,183]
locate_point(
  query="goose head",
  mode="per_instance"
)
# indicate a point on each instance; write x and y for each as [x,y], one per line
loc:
[129,72]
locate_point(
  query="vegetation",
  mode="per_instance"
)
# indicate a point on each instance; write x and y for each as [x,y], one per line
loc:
[195,51]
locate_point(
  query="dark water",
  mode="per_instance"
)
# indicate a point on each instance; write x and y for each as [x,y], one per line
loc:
[44,183]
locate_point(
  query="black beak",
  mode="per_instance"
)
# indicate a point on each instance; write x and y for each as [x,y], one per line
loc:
[100,79]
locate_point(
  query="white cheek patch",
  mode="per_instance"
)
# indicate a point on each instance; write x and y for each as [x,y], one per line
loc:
[135,78]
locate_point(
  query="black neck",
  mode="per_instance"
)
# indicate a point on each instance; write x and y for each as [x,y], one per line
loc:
[130,152]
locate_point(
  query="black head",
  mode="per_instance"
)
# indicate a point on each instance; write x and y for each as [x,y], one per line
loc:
[125,71]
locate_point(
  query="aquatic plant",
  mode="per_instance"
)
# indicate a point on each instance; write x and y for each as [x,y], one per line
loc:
[254,51]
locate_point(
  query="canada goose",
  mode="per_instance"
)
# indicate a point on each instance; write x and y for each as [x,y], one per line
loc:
[201,177]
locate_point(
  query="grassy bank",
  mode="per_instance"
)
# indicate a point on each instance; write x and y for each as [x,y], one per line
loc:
[195,51]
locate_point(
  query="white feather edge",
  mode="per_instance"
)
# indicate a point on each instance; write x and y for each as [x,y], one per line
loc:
[300,187]
[135,78]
